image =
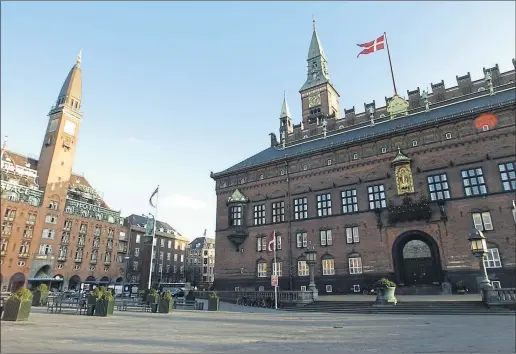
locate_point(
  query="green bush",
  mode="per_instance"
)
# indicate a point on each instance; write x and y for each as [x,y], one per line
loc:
[167,295]
[106,294]
[385,283]
[23,294]
[42,288]
[153,292]
[214,295]
[97,293]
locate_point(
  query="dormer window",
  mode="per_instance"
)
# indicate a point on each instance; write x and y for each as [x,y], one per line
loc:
[53,204]
[384,149]
[414,143]
[355,156]
[448,136]
[485,127]
[328,162]
[305,167]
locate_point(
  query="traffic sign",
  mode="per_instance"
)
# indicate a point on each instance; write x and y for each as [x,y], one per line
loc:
[274,280]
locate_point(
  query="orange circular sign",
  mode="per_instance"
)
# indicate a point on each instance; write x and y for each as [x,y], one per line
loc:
[488,119]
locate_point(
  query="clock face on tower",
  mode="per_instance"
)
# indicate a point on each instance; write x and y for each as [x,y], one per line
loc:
[314,100]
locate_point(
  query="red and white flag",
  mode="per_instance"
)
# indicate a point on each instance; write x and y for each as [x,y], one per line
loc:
[272,241]
[373,46]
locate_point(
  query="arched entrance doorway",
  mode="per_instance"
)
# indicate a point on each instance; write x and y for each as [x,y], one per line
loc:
[74,283]
[416,259]
[17,281]
[119,280]
[104,280]
[43,272]
[91,278]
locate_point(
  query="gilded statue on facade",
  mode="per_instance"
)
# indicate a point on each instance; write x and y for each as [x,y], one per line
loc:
[403,174]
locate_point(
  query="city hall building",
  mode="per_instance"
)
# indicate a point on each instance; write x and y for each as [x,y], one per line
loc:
[391,191]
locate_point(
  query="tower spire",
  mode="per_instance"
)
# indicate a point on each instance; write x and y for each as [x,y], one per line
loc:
[285,109]
[79,57]
[313,21]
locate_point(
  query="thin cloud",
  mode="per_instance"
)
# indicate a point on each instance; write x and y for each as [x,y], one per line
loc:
[181,202]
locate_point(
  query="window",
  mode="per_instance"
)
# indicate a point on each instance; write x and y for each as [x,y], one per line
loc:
[45,249]
[53,204]
[68,225]
[92,268]
[508,176]
[175,257]
[355,265]
[136,252]
[300,208]
[496,284]
[175,269]
[261,176]
[356,288]
[485,127]
[355,156]
[76,267]
[376,197]
[83,229]
[349,201]
[482,221]
[278,212]
[282,172]
[328,266]
[302,268]
[302,239]
[162,243]
[326,239]
[168,256]
[161,256]
[384,149]
[94,255]
[262,270]
[259,214]
[169,244]
[168,268]
[305,167]
[438,187]
[414,143]
[276,269]
[20,263]
[328,162]
[261,245]
[492,258]
[24,249]
[323,204]
[329,288]
[448,136]
[182,258]
[352,235]
[31,218]
[60,266]
[78,255]
[473,181]
[137,238]
[235,215]
[10,214]
[27,232]
[48,234]
[303,287]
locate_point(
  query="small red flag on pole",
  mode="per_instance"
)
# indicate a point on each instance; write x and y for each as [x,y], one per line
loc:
[376,45]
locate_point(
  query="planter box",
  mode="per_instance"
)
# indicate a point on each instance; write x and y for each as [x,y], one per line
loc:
[104,308]
[91,304]
[165,305]
[16,310]
[385,296]
[39,298]
[213,304]
[152,299]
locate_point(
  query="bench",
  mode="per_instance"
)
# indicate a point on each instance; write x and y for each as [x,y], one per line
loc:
[124,305]
[186,304]
[57,305]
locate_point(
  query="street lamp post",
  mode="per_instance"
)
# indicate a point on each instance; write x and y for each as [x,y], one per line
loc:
[478,245]
[311,259]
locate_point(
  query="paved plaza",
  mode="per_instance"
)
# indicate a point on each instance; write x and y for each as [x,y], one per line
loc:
[239,329]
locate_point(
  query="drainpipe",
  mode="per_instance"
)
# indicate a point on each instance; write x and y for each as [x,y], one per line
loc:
[289,220]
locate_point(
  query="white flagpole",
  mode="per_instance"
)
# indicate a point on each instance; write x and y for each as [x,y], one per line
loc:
[153,237]
[275,267]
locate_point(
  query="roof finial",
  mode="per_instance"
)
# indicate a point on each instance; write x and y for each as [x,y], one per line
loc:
[313,21]
[284,95]
[79,57]
[399,150]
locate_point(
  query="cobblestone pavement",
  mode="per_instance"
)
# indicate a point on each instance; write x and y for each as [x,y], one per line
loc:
[238,329]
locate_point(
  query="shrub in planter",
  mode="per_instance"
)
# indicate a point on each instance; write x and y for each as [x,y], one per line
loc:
[40,295]
[17,306]
[153,300]
[461,287]
[385,292]
[166,303]
[213,302]
[105,303]
[92,301]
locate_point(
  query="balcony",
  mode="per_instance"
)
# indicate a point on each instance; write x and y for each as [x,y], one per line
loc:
[107,262]
[122,250]
[31,222]
[9,218]
[23,255]
[83,230]
[6,233]
[93,261]
[410,210]
[61,258]
[67,228]
[95,246]
[78,260]
[110,235]
[96,234]
[65,241]
[3,253]
[27,236]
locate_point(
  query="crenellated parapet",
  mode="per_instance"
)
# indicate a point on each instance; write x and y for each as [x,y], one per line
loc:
[418,100]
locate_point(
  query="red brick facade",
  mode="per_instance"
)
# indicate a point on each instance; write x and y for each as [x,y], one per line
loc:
[447,147]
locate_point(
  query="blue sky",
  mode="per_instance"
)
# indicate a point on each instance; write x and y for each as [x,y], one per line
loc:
[174,90]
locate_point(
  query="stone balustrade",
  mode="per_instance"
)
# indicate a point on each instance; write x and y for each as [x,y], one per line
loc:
[290,297]
[501,296]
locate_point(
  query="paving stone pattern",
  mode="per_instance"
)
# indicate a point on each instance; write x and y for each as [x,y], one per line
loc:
[238,329]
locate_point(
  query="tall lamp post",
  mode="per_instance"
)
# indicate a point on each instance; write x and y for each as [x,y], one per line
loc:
[311,259]
[478,245]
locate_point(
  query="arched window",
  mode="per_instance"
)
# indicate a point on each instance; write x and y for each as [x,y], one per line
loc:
[355,263]
[277,268]
[328,265]
[12,196]
[302,267]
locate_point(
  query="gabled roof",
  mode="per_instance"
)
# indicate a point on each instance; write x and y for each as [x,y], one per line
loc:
[135,220]
[202,240]
[337,138]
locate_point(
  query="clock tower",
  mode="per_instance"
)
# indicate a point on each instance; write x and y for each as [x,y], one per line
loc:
[60,141]
[319,99]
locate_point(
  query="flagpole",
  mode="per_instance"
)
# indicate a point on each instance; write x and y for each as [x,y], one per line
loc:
[153,237]
[390,63]
[275,267]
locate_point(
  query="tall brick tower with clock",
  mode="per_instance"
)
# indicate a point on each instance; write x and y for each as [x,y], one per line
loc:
[318,96]
[58,150]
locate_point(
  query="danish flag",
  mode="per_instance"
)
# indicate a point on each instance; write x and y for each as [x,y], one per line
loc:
[272,242]
[373,46]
